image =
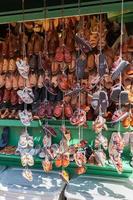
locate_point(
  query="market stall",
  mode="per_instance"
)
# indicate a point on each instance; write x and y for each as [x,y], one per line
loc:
[66,87]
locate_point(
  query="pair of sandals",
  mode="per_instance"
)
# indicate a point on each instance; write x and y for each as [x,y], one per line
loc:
[23,67]
[101,141]
[98,157]
[27,160]
[100,99]
[116,146]
[80,158]
[25,141]
[61,108]
[118,94]
[62,160]
[7,65]
[25,117]
[99,124]
[78,118]
[45,109]
[26,95]
[63,55]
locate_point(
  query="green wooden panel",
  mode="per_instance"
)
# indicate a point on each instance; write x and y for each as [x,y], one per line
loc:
[87,7]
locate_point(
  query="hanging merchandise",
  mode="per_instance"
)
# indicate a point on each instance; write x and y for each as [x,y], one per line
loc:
[116,143]
[26,95]
[68,82]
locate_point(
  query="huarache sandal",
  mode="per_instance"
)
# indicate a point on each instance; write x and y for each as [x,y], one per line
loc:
[12,65]
[5,66]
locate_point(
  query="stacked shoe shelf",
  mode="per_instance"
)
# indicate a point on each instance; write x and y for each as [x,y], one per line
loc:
[36,130]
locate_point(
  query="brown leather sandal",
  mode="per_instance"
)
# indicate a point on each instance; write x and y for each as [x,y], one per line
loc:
[2,80]
[12,65]
[5,66]
[21,82]
[5,114]
[8,82]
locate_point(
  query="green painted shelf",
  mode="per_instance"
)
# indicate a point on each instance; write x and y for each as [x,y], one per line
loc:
[107,170]
[17,123]
[55,123]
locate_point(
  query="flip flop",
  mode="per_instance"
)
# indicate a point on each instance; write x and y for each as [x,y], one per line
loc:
[123,97]
[103,101]
[26,95]
[25,117]
[95,100]
[116,90]
[102,65]
[23,68]
[119,68]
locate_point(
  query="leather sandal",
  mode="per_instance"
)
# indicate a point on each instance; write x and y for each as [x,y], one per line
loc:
[15,82]
[63,82]
[55,68]
[67,56]
[59,55]
[8,82]
[68,110]
[5,48]
[21,82]
[2,80]
[14,97]
[58,110]
[5,114]
[72,65]
[5,66]
[90,62]
[1,66]
[33,80]
[12,65]
[6,97]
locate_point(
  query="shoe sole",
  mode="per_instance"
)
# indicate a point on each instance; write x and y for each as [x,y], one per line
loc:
[122,65]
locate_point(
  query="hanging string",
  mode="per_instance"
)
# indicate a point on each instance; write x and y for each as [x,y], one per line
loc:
[100,48]
[63,45]
[45,49]
[121,37]
[78,81]
[23,27]
[121,41]
[23,48]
